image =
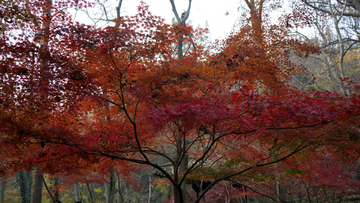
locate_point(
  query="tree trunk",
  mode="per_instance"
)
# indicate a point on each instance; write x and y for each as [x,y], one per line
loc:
[177,196]
[29,178]
[120,198]
[77,192]
[90,194]
[256,9]
[150,187]
[341,43]
[281,191]
[183,168]
[23,183]
[2,189]
[110,188]
[107,192]
[334,76]
[180,194]
[37,188]
[56,195]
[228,192]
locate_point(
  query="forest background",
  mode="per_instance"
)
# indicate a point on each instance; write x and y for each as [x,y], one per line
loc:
[132,109]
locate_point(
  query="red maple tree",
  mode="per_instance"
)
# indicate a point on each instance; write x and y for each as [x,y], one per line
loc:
[87,95]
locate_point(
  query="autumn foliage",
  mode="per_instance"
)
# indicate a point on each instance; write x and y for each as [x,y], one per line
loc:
[76,99]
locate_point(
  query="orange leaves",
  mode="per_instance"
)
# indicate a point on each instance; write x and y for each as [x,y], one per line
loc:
[93,96]
[264,63]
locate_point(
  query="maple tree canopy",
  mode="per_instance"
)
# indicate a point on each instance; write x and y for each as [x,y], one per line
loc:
[75,98]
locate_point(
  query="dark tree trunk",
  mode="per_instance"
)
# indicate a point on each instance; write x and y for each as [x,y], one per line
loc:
[25,183]
[38,185]
[2,189]
[57,194]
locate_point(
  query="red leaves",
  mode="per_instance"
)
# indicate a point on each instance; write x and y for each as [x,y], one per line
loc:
[96,96]
[247,113]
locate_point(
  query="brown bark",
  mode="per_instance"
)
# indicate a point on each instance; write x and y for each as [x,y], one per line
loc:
[256,9]
[38,185]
